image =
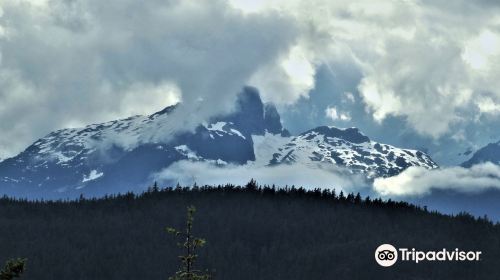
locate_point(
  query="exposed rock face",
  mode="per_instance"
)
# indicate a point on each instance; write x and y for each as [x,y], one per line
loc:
[121,155]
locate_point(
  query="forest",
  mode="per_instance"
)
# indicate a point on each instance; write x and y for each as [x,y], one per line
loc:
[251,232]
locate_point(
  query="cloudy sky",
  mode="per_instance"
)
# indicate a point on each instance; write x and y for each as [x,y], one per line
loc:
[416,74]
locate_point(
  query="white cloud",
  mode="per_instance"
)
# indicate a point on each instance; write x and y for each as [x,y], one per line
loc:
[249,6]
[413,182]
[287,79]
[83,61]
[488,105]
[416,181]
[348,97]
[332,113]
[317,176]
[479,51]
[66,63]
[421,60]
[148,98]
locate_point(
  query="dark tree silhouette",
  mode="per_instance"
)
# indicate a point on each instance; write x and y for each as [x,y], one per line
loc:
[190,244]
[357,198]
[269,232]
[13,269]
[252,185]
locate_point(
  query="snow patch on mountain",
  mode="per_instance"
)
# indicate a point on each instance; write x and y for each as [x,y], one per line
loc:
[93,175]
[188,153]
[123,155]
[349,148]
[194,157]
[64,145]
[222,128]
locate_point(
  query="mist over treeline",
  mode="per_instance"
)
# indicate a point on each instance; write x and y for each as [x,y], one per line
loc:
[252,232]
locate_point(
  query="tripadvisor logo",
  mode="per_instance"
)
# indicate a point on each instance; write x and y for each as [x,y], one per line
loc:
[387,255]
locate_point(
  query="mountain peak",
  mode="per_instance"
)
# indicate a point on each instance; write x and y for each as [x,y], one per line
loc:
[252,116]
[351,134]
[167,110]
[349,148]
[103,158]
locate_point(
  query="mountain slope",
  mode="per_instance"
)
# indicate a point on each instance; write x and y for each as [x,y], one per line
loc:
[123,155]
[490,152]
[120,155]
[350,148]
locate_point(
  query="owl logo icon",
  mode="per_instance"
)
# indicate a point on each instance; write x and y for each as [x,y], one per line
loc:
[386,255]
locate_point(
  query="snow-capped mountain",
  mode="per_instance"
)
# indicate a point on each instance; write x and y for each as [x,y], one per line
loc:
[122,155]
[350,148]
[490,152]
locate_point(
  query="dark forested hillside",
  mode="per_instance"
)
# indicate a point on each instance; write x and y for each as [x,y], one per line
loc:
[252,233]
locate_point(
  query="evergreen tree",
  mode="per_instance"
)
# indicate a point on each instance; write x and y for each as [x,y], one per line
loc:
[342,196]
[190,244]
[350,198]
[357,198]
[13,269]
[252,185]
[155,187]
